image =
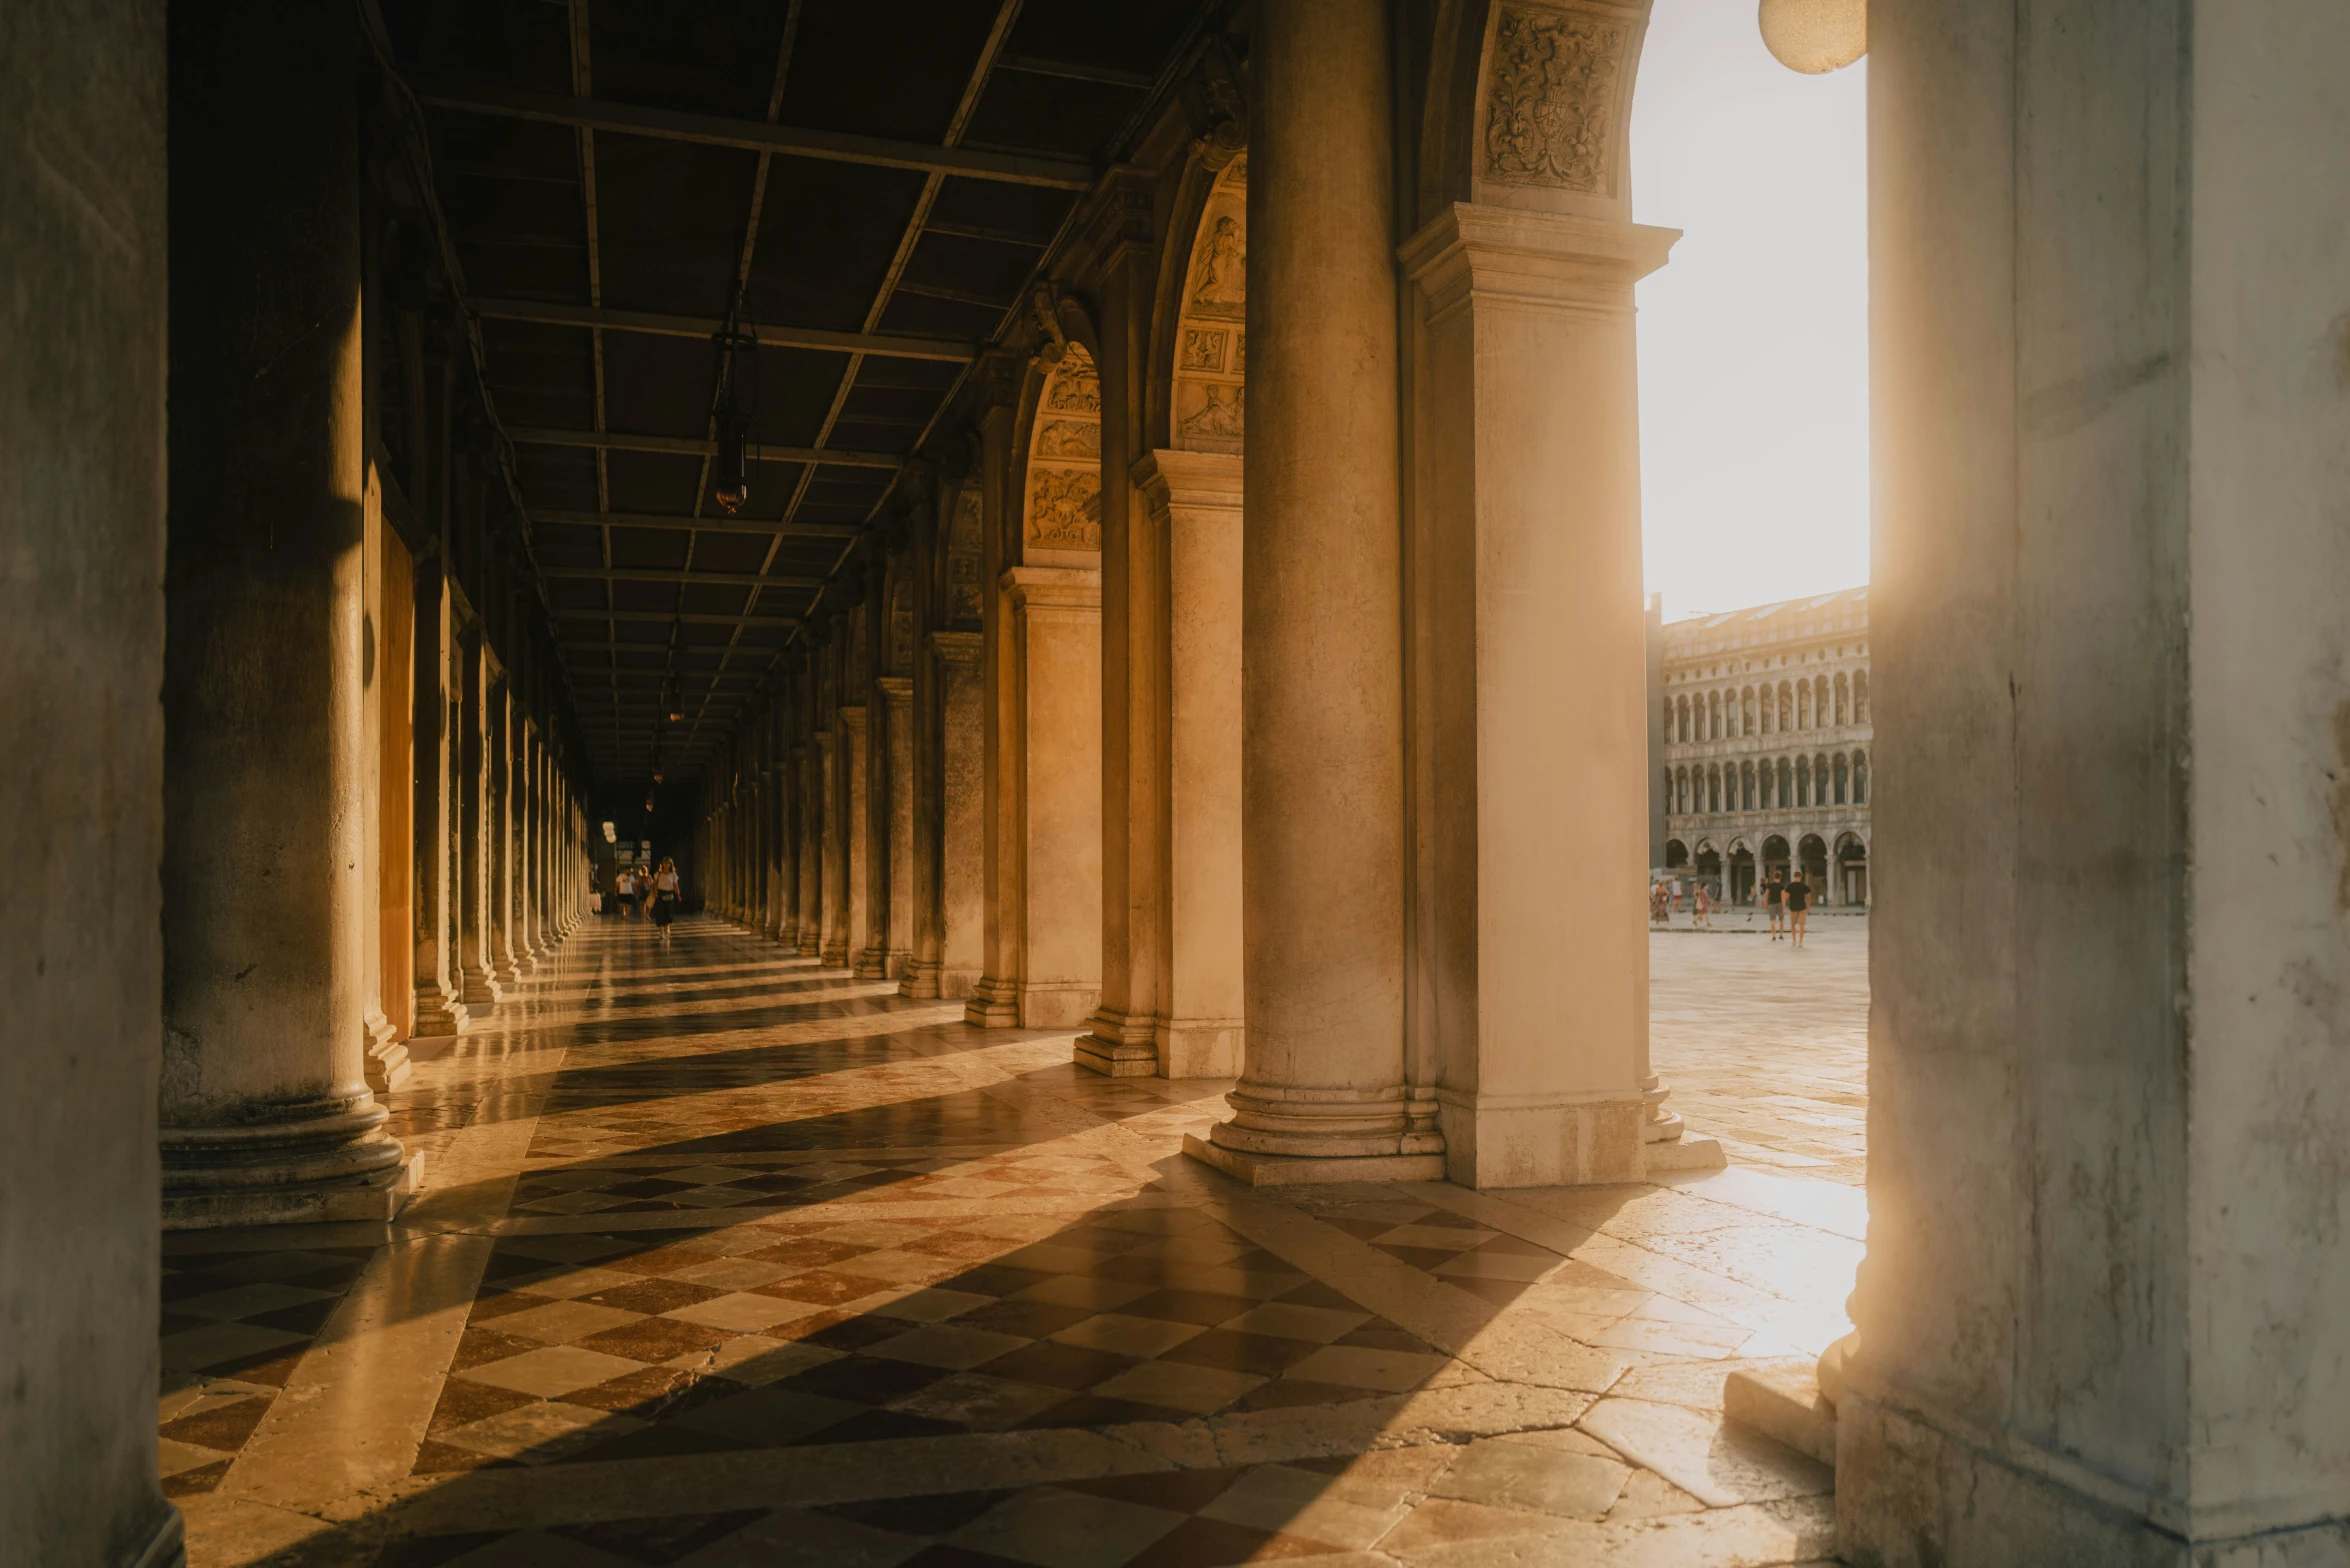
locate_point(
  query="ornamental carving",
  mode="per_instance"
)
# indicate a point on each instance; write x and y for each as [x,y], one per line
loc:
[1552,100]
[963,526]
[1076,389]
[1065,509]
[1215,421]
[1203,350]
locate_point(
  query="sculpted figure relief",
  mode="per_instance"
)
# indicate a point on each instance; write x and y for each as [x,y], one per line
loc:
[1552,100]
[1069,438]
[1203,350]
[1219,417]
[1220,285]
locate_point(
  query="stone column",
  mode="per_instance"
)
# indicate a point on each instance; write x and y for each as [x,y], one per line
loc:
[500,861]
[439,1009]
[1134,668]
[265,1112]
[386,1064]
[1055,948]
[807,857]
[1322,612]
[948,952]
[833,952]
[858,858]
[479,978]
[1197,495]
[896,924]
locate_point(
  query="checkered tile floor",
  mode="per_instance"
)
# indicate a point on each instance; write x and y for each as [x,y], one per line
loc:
[593,1347]
[1165,1519]
[234,1325]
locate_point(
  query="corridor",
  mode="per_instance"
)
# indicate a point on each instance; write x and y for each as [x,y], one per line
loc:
[726,1258]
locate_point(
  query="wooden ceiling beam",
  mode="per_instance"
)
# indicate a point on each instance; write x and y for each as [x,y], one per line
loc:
[650,574]
[690,446]
[881,345]
[679,522]
[1050,170]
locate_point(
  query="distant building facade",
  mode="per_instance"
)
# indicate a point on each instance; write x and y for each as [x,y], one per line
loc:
[1767,748]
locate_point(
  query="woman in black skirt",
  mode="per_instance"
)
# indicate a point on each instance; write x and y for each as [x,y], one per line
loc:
[665,890]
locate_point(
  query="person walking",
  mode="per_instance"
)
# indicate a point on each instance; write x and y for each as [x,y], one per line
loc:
[1774,896]
[665,888]
[1798,903]
[1701,908]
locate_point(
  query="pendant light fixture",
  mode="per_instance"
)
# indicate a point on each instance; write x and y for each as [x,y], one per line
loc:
[738,395]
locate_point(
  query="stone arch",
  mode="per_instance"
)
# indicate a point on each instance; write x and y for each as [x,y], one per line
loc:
[1676,855]
[1061,494]
[1786,706]
[1681,790]
[1843,698]
[1207,402]
[1713,715]
[1786,784]
[1681,712]
[1851,869]
[1860,778]
[1746,713]
[1774,856]
[1842,769]
[1803,712]
[1860,696]
[1803,782]
[1739,883]
[1746,798]
[1820,711]
[1812,854]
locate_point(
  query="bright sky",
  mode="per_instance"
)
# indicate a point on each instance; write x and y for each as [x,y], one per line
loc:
[1754,419]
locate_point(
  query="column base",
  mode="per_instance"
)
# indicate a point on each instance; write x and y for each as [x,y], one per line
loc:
[920,982]
[376,1198]
[438,1010]
[480,990]
[1121,1045]
[955,983]
[872,964]
[1299,1170]
[835,956]
[1541,1140]
[994,1004]
[387,1066]
[1044,1005]
[1199,1047]
[287,1164]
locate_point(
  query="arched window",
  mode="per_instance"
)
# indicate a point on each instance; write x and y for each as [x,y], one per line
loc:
[1840,778]
[1681,718]
[1803,706]
[1786,706]
[1713,789]
[1681,790]
[1667,796]
[1770,710]
[1819,780]
[1713,710]
[1746,711]
[1860,778]
[1746,786]
[1803,781]
[1819,702]
[1766,796]
[1860,696]
[1843,700]
[1668,718]
[1786,784]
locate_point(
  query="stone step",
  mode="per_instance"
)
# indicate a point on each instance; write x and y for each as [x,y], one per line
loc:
[1782,1399]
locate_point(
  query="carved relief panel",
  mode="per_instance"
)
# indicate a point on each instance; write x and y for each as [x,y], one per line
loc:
[1064,496]
[965,546]
[1211,338]
[1556,103]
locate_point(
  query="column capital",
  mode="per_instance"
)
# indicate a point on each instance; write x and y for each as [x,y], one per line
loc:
[1171,477]
[1554,260]
[960,649]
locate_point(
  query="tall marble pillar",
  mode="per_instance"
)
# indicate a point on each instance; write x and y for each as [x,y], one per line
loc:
[833,949]
[265,1112]
[480,982]
[895,922]
[807,931]
[1323,867]
[1533,715]
[859,858]
[788,804]
[386,1063]
[499,859]
[1196,496]
[961,899]
[439,1008]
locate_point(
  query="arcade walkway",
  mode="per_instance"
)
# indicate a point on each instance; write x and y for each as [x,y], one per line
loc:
[724,1258]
